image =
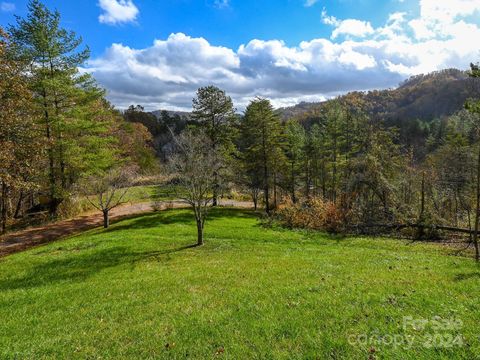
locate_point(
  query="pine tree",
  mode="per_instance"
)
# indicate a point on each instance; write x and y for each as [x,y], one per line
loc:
[69,105]
[335,141]
[315,170]
[295,146]
[215,113]
[263,135]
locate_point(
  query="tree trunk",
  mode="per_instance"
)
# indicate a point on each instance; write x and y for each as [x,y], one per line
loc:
[421,217]
[18,208]
[199,232]
[267,205]
[275,203]
[308,175]
[324,183]
[215,172]
[334,175]
[215,189]
[53,206]
[3,206]
[265,172]
[294,199]
[422,201]
[266,190]
[106,219]
[477,210]
[255,199]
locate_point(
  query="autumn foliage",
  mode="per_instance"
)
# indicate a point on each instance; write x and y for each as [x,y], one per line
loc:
[314,214]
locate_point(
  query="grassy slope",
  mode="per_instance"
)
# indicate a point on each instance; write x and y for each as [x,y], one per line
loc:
[256,293]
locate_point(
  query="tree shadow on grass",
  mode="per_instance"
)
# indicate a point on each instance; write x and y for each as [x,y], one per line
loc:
[467,276]
[79,267]
[168,217]
[164,192]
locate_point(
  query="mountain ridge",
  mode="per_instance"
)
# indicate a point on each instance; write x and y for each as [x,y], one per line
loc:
[424,97]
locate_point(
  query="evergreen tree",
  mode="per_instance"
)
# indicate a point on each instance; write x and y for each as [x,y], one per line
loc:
[262,132]
[69,105]
[215,113]
[295,146]
[315,172]
[334,144]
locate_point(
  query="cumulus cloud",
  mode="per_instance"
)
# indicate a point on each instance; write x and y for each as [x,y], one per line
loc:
[7,7]
[348,27]
[353,27]
[439,18]
[117,11]
[167,73]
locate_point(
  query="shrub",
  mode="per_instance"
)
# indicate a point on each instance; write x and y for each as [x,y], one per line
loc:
[73,206]
[314,214]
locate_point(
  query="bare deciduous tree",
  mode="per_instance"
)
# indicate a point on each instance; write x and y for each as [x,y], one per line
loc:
[107,192]
[195,165]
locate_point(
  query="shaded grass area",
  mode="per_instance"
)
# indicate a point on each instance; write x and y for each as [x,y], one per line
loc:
[80,205]
[140,290]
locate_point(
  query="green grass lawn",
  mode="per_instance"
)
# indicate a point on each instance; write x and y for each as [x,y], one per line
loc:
[138,194]
[137,290]
[145,193]
[150,193]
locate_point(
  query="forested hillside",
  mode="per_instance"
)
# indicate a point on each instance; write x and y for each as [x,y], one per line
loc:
[422,97]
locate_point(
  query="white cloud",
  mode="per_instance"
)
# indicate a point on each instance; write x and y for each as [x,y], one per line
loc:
[358,60]
[348,27]
[329,20]
[7,7]
[394,26]
[437,17]
[448,11]
[309,3]
[353,27]
[117,11]
[166,74]
[421,29]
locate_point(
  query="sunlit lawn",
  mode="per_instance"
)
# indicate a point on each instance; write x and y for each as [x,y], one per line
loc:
[137,291]
[138,194]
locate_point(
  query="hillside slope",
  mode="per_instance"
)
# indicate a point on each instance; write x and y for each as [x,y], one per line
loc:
[423,97]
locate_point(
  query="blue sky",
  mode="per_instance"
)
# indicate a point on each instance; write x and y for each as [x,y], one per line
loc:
[157,52]
[227,25]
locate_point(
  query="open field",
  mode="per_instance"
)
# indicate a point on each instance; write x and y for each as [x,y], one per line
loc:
[137,290]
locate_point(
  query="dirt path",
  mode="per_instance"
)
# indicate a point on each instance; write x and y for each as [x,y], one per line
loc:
[25,239]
